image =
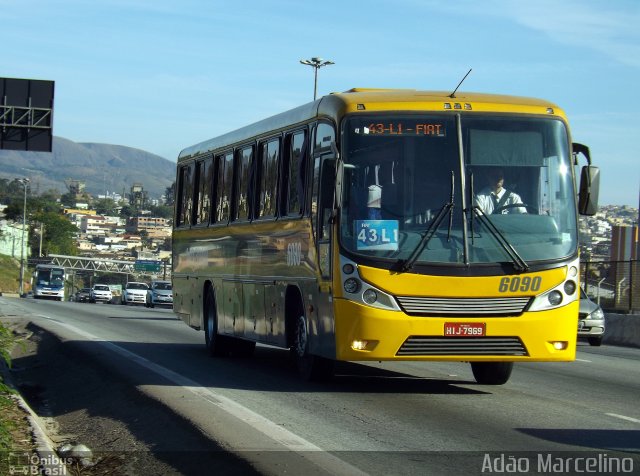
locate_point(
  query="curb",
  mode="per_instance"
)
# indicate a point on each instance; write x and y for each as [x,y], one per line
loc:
[45,458]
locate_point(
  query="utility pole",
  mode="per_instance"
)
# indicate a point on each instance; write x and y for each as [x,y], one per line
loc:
[24,182]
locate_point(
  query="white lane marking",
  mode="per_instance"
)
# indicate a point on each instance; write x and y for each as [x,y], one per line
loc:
[622,417]
[583,360]
[272,430]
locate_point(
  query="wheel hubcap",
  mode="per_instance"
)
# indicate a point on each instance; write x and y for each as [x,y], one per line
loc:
[301,337]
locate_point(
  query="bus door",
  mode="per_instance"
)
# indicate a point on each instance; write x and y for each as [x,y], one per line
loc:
[322,205]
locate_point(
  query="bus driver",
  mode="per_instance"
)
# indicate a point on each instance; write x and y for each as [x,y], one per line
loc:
[494,198]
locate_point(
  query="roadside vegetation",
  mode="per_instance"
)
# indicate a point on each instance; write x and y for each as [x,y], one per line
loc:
[15,432]
[9,274]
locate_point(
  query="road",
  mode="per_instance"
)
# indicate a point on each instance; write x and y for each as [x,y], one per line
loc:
[386,418]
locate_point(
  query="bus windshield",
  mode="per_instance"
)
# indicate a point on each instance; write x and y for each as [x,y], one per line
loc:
[471,182]
[50,277]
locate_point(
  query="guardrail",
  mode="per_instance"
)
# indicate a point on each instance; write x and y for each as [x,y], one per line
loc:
[615,285]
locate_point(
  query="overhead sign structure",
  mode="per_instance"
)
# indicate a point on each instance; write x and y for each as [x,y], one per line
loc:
[26,114]
[153,266]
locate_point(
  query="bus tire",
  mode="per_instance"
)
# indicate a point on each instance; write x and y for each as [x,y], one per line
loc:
[491,373]
[310,367]
[215,343]
[240,347]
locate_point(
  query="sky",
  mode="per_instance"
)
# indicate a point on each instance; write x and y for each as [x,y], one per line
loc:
[163,75]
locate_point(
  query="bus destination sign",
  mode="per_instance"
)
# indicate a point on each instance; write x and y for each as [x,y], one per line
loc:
[403,129]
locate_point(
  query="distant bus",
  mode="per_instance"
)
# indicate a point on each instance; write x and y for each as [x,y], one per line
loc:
[352,229]
[49,282]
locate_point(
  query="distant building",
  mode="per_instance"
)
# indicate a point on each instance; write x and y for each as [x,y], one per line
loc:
[138,196]
[169,194]
[153,226]
[11,240]
[98,225]
[624,243]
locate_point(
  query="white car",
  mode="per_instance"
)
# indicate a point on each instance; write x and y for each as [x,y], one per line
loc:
[100,293]
[135,293]
[160,293]
[591,323]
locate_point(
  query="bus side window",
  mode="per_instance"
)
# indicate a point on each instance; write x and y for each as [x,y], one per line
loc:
[267,179]
[294,170]
[244,158]
[185,203]
[224,183]
[202,202]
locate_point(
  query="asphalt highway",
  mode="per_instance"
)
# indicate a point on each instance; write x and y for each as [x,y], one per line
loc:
[384,418]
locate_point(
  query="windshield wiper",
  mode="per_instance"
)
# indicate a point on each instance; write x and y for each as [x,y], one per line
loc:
[407,264]
[518,261]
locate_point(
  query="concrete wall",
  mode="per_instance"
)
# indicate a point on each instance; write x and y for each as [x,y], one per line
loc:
[622,329]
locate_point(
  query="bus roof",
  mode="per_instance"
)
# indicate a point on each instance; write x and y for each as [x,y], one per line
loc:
[364,100]
[48,266]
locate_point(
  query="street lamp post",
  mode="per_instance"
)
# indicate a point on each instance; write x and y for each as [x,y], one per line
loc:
[316,64]
[24,182]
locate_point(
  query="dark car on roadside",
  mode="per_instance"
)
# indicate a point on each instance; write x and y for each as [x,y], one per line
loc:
[591,321]
[83,295]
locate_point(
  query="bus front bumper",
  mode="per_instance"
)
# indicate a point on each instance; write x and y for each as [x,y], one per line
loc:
[365,333]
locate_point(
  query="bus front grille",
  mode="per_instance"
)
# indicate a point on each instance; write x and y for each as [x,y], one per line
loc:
[487,346]
[481,307]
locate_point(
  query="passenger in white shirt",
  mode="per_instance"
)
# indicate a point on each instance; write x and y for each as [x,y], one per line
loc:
[494,198]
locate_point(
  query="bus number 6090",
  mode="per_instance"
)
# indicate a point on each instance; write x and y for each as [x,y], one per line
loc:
[524,284]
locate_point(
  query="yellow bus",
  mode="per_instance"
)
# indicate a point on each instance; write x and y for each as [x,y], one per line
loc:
[362,227]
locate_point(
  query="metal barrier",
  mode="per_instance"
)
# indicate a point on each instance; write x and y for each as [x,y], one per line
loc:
[615,285]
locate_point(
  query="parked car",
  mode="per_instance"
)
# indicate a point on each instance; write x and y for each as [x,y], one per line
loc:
[160,293]
[591,323]
[100,293]
[83,295]
[135,293]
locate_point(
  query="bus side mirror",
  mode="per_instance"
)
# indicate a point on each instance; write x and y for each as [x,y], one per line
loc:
[589,190]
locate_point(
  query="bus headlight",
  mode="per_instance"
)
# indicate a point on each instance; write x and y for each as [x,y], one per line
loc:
[555,298]
[362,292]
[561,295]
[351,285]
[570,287]
[369,296]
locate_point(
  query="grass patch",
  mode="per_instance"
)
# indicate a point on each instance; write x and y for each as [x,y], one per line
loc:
[9,274]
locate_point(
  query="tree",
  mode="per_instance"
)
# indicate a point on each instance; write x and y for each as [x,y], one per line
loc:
[68,199]
[162,211]
[127,211]
[105,206]
[58,235]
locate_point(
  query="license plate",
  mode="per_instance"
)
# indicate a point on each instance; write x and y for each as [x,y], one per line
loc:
[464,329]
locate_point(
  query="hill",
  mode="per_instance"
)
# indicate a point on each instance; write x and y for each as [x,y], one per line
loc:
[103,167]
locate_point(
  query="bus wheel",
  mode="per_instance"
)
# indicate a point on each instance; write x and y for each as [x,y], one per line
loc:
[240,347]
[310,367]
[491,373]
[215,343]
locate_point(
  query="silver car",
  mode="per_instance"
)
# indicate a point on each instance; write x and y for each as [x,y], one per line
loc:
[100,293]
[160,293]
[591,320]
[135,293]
